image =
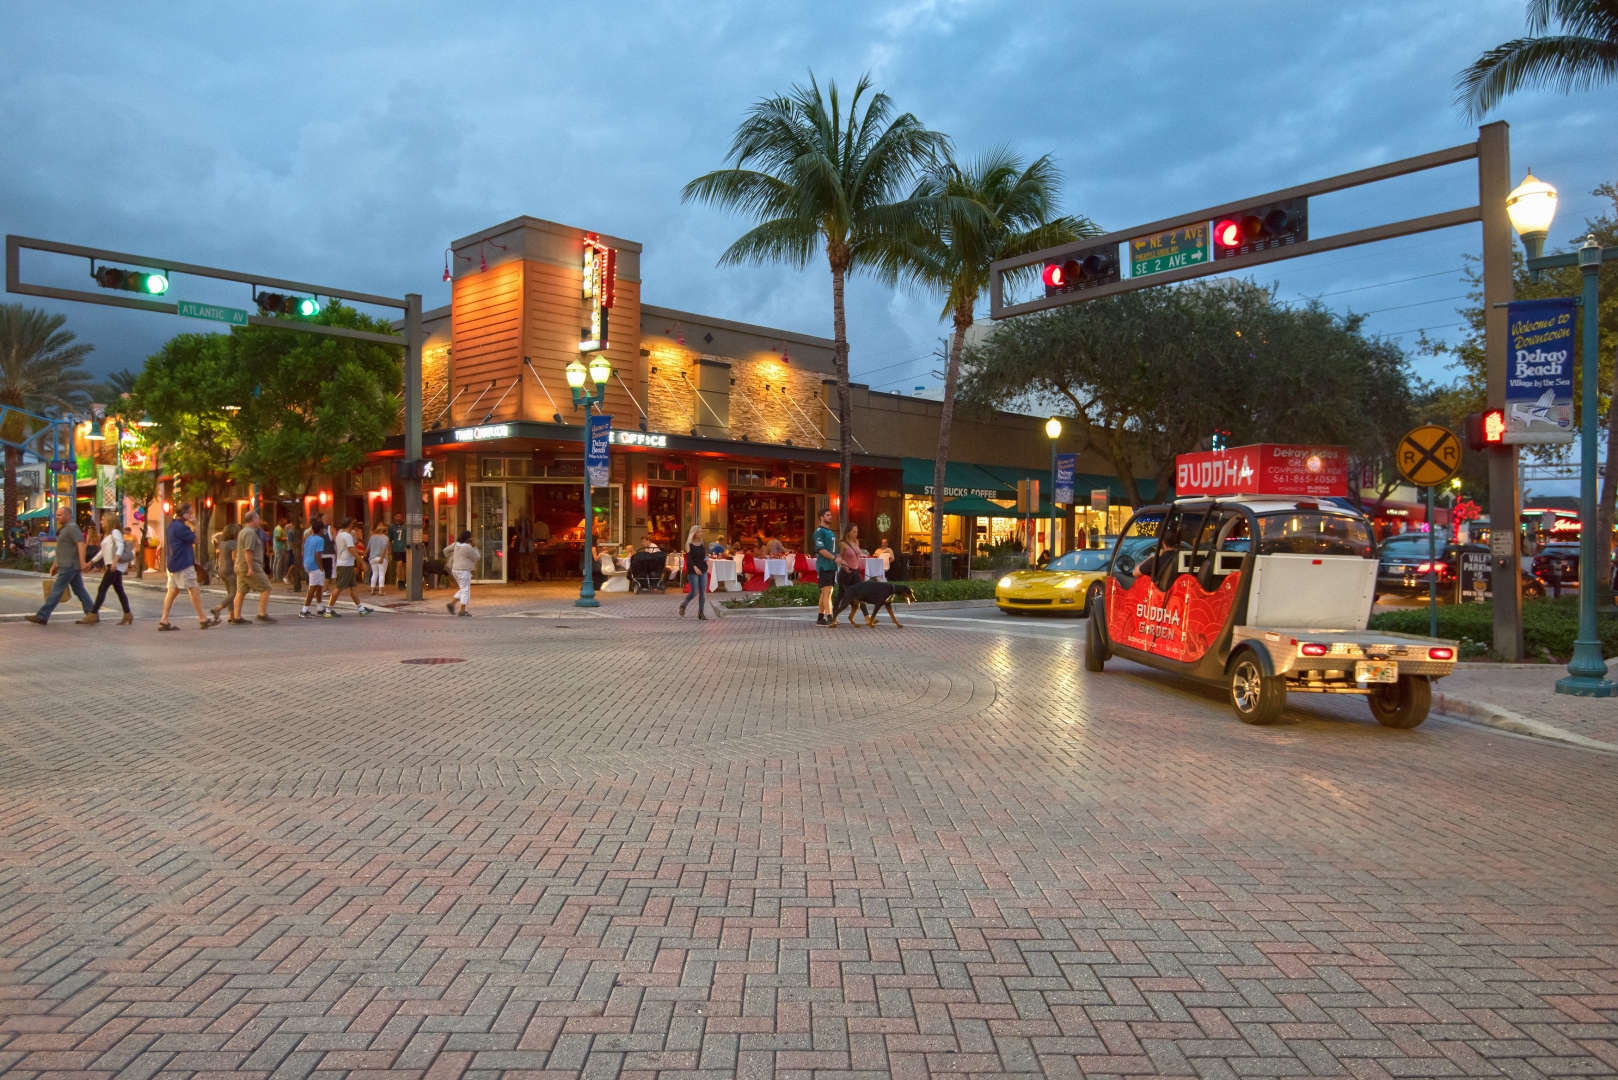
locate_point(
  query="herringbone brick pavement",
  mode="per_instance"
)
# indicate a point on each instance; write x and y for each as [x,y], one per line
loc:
[647,846]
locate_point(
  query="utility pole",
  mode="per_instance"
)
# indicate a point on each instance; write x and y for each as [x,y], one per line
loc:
[412,434]
[1505,509]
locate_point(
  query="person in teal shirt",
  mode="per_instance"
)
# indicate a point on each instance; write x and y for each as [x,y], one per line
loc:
[825,547]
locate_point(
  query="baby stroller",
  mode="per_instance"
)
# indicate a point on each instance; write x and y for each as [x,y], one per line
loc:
[646,571]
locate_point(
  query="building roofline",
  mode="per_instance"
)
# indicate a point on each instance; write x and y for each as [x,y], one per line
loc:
[542,225]
[739,327]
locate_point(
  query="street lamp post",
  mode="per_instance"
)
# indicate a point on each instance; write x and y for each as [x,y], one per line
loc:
[1532,207]
[1053,430]
[599,371]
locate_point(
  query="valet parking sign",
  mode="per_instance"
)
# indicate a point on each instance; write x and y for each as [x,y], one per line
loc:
[1539,382]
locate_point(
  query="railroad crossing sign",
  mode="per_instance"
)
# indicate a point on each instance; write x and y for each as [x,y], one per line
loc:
[1429,455]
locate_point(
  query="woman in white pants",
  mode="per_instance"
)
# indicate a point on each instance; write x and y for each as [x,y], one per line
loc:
[377,552]
[462,559]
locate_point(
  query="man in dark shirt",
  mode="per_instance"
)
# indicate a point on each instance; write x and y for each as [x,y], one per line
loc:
[69,566]
[179,544]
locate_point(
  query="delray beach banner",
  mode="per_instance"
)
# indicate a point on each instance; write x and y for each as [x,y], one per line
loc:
[1539,378]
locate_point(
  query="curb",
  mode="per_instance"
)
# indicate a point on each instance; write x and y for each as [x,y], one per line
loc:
[1506,720]
[936,605]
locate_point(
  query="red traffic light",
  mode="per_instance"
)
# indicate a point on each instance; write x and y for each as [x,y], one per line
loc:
[1228,233]
[1494,427]
[1054,278]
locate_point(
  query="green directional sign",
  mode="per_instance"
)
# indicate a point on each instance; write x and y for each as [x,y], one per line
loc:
[1171,250]
[213,312]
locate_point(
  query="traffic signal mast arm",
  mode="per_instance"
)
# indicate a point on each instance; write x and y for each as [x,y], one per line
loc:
[1237,210]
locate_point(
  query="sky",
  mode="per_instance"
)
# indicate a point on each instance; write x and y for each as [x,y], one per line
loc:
[349,143]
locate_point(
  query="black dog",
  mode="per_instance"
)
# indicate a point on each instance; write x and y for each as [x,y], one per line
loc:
[435,569]
[878,594]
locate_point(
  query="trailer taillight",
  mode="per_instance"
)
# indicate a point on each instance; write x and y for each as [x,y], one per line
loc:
[1441,653]
[1313,648]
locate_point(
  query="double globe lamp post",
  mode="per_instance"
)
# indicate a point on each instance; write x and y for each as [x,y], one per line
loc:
[599,371]
[1532,207]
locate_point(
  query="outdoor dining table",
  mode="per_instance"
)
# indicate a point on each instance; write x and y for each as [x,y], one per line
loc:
[876,570]
[776,571]
[723,575]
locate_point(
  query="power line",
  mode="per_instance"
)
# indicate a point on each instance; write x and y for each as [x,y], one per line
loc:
[1382,284]
[1401,307]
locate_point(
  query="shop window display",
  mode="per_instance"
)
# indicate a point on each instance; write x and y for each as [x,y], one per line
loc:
[777,515]
[663,514]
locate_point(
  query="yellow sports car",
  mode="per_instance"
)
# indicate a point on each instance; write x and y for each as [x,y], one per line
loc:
[1069,584]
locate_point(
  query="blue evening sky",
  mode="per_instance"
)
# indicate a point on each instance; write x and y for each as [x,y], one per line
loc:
[348,143]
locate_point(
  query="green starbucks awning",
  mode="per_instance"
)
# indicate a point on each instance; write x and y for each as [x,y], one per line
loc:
[960,480]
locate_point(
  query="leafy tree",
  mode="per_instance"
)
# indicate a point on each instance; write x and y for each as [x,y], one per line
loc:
[40,371]
[114,386]
[994,207]
[815,178]
[1584,56]
[269,406]
[1154,373]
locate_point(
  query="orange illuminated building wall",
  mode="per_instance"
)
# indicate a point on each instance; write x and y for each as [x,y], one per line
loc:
[519,291]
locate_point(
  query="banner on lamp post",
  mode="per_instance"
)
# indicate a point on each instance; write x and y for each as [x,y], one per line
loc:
[106,487]
[1539,375]
[1066,466]
[597,440]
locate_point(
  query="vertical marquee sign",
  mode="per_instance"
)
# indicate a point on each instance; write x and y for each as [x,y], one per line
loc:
[600,289]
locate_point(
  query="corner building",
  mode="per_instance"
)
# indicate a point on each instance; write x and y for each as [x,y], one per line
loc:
[726,424]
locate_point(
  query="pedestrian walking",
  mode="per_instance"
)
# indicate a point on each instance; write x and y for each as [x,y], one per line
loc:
[347,544]
[294,574]
[281,550]
[461,558]
[180,547]
[68,566]
[250,575]
[850,563]
[824,543]
[396,540]
[114,556]
[314,543]
[224,546]
[696,572]
[377,552]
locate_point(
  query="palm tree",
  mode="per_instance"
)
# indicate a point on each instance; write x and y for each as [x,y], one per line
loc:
[813,177]
[992,208]
[1583,56]
[39,370]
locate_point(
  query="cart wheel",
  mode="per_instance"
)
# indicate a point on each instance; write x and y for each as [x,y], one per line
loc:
[1093,599]
[1403,704]
[1096,653]
[1257,698]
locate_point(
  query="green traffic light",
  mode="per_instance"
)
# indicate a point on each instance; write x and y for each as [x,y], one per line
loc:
[308,307]
[157,283]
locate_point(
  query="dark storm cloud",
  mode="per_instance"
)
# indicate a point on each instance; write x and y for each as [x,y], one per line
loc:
[350,143]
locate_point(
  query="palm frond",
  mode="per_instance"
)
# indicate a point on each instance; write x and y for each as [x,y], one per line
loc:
[1581,18]
[1564,63]
[790,240]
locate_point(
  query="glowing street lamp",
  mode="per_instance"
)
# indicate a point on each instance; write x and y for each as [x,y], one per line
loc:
[1532,207]
[1053,431]
[599,371]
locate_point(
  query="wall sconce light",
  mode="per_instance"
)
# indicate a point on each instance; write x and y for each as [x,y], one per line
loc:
[713,496]
[387,494]
[168,508]
[208,502]
[640,493]
[449,491]
[325,498]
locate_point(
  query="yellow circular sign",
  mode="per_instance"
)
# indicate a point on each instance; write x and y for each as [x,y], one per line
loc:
[1429,455]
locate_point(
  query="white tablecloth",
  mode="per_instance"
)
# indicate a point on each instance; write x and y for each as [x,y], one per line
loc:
[776,571]
[722,575]
[876,570]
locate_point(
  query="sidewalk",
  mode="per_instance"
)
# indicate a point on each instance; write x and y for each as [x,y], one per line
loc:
[1501,695]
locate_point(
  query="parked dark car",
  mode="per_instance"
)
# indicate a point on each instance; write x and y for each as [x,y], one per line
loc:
[1557,565]
[1402,568]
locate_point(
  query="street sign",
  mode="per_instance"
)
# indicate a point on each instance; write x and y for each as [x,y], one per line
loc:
[1429,455]
[212,312]
[1171,250]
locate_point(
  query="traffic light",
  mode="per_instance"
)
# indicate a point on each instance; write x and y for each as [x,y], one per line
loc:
[300,307]
[1260,227]
[111,277]
[1084,270]
[1486,429]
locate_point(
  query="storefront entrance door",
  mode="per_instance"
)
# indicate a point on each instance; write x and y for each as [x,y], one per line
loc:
[488,527]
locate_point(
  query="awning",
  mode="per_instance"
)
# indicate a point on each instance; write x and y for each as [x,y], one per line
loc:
[1083,484]
[36,514]
[977,506]
[960,480]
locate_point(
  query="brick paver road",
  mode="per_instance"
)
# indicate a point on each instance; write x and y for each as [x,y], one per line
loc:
[636,844]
